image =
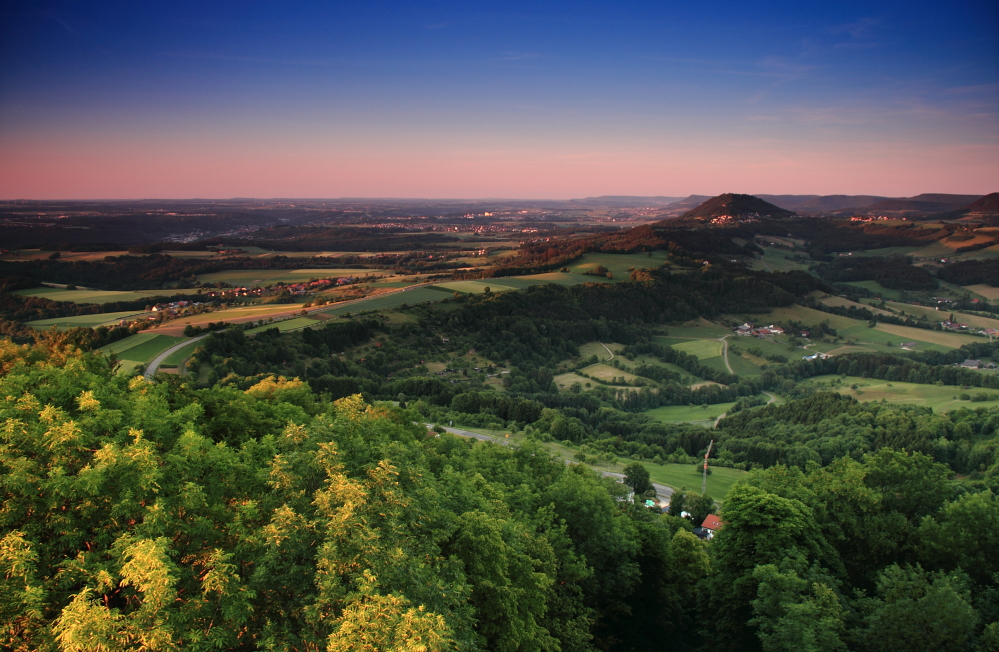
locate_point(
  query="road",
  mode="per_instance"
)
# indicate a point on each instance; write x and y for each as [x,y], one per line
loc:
[663,492]
[725,353]
[158,360]
[609,352]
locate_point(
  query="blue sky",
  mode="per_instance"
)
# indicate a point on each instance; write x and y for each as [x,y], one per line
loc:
[441,99]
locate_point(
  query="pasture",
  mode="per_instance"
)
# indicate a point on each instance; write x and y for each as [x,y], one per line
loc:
[607,373]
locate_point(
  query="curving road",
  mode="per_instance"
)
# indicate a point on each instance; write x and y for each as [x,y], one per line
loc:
[663,492]
[158,360]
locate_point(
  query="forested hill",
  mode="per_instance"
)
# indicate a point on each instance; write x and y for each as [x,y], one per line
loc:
[736,205]
[162,517]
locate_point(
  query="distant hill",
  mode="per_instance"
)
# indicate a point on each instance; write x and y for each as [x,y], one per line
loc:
[987,204]
[736,205]
[625,201]
[925,203]
[820,203]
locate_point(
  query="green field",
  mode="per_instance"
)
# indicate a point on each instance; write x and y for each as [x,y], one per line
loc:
[701,348]
[288,324]
[606,373]
[380,302]
[177,358]
[677,476]
[617,264]
[597,349]
[942,398]
[141,347]
[97,296]
[697,414]
[776,259]
[85,321]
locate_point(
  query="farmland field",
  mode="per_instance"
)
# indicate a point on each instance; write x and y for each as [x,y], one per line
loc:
[97,296]
[288,324]
[942,398]
[256,277]
[987,291]
[141,347]
[91,321]
[394,300]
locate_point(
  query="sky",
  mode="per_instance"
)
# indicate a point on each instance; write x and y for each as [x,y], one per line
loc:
[225,99]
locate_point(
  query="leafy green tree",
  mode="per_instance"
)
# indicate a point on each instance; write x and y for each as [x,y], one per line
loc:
[793,614]
[916,610]
[637,477]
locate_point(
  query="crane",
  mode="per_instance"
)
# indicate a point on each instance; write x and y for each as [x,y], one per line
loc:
[704,478]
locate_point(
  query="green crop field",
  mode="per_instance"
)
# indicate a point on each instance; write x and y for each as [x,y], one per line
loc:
[97,296]
[776,259]
[85,321]
[743,366]
[127,343]
[380,302]
[701,348]
[942,398]
[142,347]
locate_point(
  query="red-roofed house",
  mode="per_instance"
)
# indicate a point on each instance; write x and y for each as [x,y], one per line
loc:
[711,525]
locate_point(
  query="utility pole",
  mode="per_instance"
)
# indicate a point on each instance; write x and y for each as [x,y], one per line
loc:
[704,478]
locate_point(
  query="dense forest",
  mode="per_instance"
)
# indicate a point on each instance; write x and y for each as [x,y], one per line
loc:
[159,516]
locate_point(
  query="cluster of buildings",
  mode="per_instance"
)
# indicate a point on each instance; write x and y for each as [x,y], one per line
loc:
[741,219]
[294,288]
[763,331]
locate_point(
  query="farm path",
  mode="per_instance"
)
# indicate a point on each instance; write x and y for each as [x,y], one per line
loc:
[609,352]
[725,353]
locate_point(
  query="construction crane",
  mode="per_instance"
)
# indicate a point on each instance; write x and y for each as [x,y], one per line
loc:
[704,478]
